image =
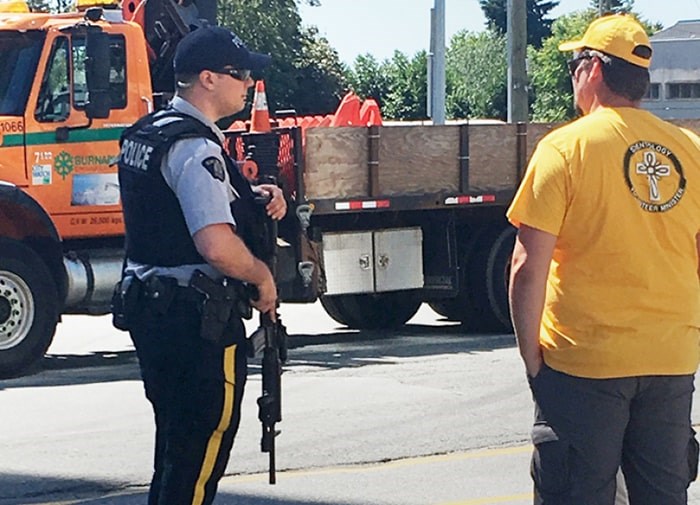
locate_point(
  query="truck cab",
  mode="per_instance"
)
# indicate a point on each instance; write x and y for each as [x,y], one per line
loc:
[69,84]
[51,150]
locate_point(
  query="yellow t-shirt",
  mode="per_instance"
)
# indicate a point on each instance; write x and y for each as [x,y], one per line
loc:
[620,189]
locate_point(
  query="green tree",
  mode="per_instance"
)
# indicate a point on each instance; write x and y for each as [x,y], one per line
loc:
[538,25]
[623,7]
[64,5]
[273,27]
[39,5]
[549,76]
[407,87]
[475,79]
[369,78]
[320,65]
[476,75]
[612,6]
[304,66]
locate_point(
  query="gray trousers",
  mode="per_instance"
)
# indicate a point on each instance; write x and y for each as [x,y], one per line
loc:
[585,429]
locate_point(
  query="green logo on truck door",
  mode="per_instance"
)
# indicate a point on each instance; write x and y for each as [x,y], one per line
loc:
[63,164]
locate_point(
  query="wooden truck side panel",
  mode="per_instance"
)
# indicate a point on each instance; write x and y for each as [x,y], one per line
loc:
[411,160]
[419,160]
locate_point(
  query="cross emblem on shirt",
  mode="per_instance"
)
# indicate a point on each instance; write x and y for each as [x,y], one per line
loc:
[654,171]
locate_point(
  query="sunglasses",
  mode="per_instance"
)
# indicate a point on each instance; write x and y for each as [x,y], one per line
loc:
[574,63]
[240,74]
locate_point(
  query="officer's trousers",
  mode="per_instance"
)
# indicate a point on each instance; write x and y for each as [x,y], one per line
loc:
[196,388]
[585,429]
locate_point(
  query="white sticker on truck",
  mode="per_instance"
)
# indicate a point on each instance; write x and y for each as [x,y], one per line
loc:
[41,174]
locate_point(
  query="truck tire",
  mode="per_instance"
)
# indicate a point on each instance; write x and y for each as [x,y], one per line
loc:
[372,311]
[445,309]
[330,305]
[482,302]
[488,272]
[498,275]
[461,307]
[29,308]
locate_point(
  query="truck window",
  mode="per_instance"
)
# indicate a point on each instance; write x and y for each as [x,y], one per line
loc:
[19,58]
[54,98]
[117,72]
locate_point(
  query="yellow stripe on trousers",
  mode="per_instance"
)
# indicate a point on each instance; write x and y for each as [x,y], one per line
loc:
[214,443]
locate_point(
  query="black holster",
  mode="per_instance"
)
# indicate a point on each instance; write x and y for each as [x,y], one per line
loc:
[125,302]
[223,301]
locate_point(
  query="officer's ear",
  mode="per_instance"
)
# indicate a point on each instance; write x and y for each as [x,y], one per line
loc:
[207,79]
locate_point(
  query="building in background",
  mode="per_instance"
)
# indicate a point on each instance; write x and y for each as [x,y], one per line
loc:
[675,72]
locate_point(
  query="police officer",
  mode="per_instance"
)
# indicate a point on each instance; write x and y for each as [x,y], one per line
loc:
[188,212]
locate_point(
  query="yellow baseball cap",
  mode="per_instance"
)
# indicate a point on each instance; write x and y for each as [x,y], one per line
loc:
[618,35]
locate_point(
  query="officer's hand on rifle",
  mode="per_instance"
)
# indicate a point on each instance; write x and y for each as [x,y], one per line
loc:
[266,301]
[276,208]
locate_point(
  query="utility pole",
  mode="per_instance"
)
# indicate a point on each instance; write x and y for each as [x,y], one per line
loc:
[517,71]
[436,64]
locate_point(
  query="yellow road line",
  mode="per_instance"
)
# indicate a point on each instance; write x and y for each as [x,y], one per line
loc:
[400,463]
[366,467]
[493,499]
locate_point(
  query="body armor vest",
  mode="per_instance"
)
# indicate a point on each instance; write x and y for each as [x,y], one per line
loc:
[156,231]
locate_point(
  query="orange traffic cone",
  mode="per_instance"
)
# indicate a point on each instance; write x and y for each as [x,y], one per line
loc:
[260,116]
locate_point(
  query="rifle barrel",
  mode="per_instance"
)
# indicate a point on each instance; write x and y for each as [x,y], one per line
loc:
[273,478]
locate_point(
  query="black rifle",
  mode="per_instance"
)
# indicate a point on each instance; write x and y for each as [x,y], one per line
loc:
[271,339]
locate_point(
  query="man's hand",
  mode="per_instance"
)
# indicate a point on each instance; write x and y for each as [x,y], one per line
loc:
[277,206]
[225,251]
[267,297]
[533,363]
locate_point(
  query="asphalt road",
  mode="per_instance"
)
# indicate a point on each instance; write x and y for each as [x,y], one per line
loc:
[427,415]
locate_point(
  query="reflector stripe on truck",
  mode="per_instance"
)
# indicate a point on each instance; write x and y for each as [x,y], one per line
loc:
[465,199]
[363,204]
[44,138]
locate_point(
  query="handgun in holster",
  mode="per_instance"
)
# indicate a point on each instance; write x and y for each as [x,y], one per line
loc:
[222,301]
[125,302]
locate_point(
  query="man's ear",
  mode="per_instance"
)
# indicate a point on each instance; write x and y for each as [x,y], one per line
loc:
[206,79]
[596,71]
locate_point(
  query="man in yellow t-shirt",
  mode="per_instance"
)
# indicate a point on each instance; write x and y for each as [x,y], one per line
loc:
[605,285]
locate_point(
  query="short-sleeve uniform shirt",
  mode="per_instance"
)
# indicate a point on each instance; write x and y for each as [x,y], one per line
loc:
[196,172]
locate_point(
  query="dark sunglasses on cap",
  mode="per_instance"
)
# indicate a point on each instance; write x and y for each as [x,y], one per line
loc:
[241,74]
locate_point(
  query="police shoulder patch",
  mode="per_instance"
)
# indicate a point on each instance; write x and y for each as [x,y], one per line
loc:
[215,167]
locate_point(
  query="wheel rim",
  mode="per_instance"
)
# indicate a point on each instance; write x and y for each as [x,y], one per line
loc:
[16,309]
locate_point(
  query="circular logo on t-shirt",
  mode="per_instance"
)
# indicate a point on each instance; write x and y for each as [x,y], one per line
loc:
[654,176]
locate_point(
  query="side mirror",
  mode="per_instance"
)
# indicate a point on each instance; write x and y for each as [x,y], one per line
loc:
[97,73]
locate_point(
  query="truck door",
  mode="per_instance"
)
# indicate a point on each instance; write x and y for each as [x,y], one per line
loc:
[19,58]
[70,158]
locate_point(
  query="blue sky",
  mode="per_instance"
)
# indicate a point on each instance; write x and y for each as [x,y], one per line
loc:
[379,27]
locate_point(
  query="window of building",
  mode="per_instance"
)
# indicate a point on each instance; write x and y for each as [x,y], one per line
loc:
[654,91]
[683,90]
